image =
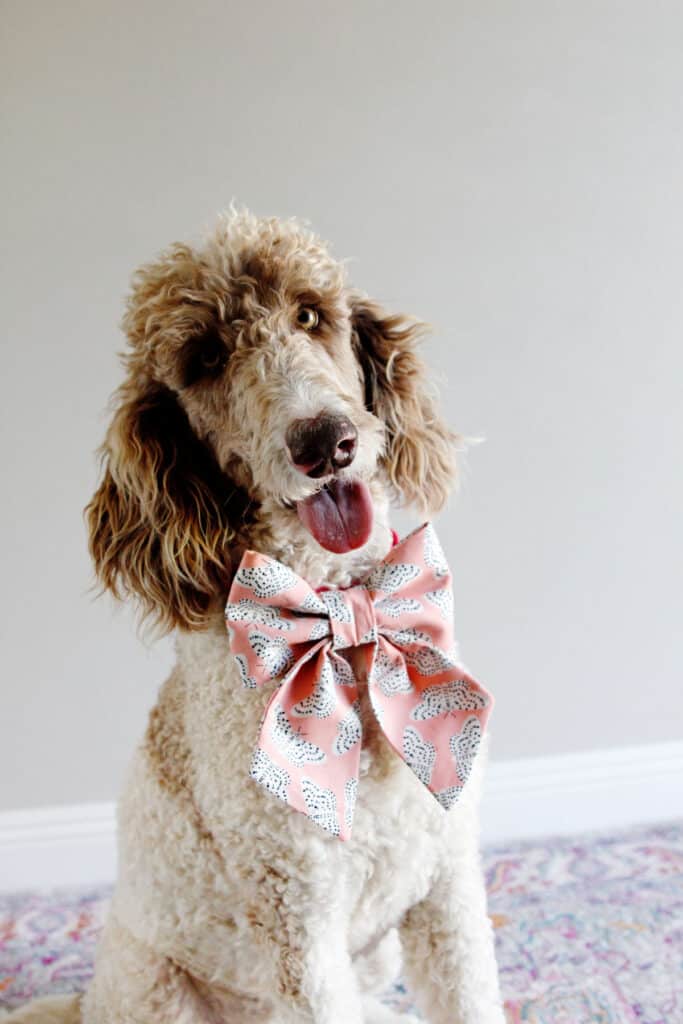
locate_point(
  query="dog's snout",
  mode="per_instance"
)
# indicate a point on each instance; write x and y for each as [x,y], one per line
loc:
[322,445]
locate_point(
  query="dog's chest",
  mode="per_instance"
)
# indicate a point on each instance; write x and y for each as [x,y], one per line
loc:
[396,845]
[390,861]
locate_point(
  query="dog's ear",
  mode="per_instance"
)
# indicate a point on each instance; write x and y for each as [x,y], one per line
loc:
[419,455]
[160,523]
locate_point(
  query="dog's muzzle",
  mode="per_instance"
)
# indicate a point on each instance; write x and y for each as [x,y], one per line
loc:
[322,445]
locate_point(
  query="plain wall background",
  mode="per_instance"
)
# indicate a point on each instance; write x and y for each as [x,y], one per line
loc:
[512,172]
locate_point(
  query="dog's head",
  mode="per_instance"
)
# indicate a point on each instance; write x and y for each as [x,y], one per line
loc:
[256,380]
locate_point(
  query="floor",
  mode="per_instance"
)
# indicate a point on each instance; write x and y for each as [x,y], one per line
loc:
[588,930]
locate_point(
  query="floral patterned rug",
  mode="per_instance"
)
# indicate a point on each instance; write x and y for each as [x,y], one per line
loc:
[589,931]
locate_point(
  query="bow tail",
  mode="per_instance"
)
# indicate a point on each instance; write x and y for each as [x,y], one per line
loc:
[309,744]
[434,723]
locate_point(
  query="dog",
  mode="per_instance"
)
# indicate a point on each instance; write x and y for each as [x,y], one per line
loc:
[269,406]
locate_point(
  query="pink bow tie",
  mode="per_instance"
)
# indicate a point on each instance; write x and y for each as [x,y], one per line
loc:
[399,618]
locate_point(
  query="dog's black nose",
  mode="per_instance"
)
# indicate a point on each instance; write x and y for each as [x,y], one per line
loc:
[321,445]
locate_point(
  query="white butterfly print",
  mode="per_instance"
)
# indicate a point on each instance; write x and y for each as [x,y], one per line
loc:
[391,678]
[433,553]
[458,695]
[272,651]
[447,797]
[419,754]
[395,607]
[312,603]
[429,661]
[269,775]
[349,731]
[291,744]
[267,580]
[408,637]
[464,746]
[341,670]
[319,629]
[246,610]
[350,796]
[321,702]
[389,578]
[321,805]
[243,667]
[336,606]
[443,600]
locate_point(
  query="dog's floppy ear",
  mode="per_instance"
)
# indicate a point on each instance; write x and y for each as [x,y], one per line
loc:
[420,449]
[160,521]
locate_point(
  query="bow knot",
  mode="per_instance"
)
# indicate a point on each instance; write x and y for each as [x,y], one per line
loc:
[398,619]
[352,616]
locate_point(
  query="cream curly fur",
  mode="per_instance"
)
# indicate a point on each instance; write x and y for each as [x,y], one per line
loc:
[229,906]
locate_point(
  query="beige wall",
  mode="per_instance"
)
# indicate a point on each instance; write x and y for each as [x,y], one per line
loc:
[511,171]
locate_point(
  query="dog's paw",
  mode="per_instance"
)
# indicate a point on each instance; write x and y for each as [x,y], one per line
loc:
[375,1012]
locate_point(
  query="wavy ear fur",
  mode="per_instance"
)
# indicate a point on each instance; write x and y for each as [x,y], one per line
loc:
[160,521]
[420,449]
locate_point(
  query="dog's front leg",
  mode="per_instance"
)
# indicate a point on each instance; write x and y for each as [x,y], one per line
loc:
[449,949]
[327,992]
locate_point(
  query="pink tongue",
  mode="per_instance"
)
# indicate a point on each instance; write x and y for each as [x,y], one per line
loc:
[339,516]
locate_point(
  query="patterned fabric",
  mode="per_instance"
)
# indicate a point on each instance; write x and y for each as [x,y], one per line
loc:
[397,622]
[588,931]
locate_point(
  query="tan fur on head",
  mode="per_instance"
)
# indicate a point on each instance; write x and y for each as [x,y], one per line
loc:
[218,367]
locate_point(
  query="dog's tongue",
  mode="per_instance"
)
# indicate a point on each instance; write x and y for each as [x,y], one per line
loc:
[339,516]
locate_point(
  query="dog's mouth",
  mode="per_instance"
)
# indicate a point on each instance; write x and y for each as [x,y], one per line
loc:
[339,515]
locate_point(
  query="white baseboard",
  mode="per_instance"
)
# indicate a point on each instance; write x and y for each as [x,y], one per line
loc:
[528,798]
[58,846]
[583,792]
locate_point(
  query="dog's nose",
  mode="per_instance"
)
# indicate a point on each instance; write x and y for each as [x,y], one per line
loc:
[321,445]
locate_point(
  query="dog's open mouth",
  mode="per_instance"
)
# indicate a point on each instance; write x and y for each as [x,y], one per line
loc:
[339,516]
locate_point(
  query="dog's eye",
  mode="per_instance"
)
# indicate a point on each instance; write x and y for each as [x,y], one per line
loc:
[308,318]
[204,358]
[212,355]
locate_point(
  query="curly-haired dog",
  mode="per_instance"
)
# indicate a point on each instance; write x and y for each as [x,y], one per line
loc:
[268,406]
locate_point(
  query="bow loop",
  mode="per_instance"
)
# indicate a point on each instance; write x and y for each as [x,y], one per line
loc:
[399,621]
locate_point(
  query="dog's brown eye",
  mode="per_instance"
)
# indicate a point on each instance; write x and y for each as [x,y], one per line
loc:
[211,357]
[307,318]
[204,358]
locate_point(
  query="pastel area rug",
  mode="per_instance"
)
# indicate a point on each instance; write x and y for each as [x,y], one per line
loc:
[588,930]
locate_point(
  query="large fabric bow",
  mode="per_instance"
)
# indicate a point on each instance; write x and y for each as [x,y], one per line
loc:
[398,622]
